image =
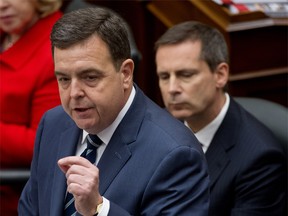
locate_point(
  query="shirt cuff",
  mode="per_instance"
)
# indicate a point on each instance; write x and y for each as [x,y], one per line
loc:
[105,207]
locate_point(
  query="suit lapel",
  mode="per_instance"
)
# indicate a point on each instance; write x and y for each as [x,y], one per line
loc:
[226,137]
[117,152]
[217,160]
[67,146]
[113,159]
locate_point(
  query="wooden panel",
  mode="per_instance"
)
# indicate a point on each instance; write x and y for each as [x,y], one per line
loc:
[273,88]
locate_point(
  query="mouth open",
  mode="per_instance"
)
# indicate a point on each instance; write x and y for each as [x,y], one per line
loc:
[82,113]
[81,109]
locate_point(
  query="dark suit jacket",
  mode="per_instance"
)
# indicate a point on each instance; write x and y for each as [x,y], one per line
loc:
[151,166]
[246,167]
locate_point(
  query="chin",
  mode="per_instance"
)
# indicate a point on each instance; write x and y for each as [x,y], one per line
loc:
[182,115]
[178,115]
[84,125]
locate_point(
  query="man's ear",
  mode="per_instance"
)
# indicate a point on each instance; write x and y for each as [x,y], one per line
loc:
[222,75]
[127,69]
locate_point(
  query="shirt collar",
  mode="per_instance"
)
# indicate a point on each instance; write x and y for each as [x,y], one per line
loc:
[107,133]
[206,134]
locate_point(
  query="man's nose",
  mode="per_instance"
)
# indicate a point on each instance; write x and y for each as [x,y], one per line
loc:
[76,89]
[174,85]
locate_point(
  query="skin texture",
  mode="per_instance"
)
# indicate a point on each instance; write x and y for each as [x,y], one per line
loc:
[190,90]
[17,16]
[92,92]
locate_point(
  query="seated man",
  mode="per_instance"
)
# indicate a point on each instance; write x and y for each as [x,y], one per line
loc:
[246,164]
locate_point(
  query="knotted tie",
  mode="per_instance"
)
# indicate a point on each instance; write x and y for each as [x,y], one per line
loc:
[93,142]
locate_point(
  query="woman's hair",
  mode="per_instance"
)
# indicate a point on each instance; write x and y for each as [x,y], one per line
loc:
[47,7]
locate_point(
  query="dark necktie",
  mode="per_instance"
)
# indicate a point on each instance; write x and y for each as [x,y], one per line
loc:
[93,142]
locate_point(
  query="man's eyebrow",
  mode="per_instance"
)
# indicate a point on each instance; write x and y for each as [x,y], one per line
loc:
[59,73]
[162,72]
[190,70]
[88,70]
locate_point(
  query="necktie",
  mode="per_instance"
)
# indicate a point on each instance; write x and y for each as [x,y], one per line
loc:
[93,142]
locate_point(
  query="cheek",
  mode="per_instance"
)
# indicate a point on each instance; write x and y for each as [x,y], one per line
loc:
[64,97]
[18,25]
[26,16]
[192,89]
[164,88]
[196,90]
[204,92]
[164,93]
[203,84]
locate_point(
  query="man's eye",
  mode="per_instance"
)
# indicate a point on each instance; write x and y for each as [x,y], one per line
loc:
[63,79]
[186,75]
[163,76]
[90,78]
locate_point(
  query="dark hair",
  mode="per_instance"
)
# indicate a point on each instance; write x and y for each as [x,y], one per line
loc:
[214,48]
[77,26]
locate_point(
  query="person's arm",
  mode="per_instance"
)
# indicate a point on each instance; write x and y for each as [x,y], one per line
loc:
[261,189]
[17,140]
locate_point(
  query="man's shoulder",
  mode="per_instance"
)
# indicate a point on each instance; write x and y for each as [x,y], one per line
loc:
[159,123]
[56,114]
[250,131]
[56,110]
[162,122]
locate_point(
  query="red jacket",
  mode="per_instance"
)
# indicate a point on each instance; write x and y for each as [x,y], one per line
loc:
[28,88]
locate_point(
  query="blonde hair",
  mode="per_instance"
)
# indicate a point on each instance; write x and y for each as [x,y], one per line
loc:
[47,7]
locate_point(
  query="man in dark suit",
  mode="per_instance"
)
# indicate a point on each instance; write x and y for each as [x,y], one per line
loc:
[148,163]
[246,165]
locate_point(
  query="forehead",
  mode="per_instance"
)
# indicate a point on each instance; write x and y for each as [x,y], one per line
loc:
[178,55]
[187,47]
[92,51]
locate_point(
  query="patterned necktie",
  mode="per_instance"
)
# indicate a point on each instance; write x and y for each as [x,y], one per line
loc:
[93,142]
